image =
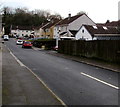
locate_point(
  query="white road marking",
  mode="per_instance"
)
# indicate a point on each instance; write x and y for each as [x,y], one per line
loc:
[47,87]
[21,64]
[113,86]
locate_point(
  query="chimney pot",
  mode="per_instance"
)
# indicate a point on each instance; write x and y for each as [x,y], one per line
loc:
[69,16]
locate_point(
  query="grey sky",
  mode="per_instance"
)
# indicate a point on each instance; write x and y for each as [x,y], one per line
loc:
[98,10]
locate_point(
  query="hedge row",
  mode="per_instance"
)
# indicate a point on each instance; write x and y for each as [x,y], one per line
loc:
[48,43]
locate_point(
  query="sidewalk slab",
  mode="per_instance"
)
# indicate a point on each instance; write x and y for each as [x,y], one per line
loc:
[97,63]
[21,87]
[0,71]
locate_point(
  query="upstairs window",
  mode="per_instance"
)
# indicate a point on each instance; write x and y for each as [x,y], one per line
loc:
[104,27]
[82,30]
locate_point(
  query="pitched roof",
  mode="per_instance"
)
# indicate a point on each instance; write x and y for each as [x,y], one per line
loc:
[69,19]
[63,33]
[98,30]
[50,24]
[73,32]
[22,27]
[38,27]
[113,23]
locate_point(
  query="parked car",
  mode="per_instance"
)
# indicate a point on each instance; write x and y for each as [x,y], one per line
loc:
[19,42]
[6,37]
[19,38]
[26,44]
[55,48]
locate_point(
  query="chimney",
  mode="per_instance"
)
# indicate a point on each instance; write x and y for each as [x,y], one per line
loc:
[69,16]
[108,21]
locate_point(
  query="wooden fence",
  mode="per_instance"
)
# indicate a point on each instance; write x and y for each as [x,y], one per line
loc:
[108,50]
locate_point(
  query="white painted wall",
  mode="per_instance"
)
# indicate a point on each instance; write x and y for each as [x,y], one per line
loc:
[20,32]
[75,25]
[57,31]
[37,33]
[64,28]
[83,35]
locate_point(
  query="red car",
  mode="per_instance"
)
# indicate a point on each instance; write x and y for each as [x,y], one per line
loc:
[26,44]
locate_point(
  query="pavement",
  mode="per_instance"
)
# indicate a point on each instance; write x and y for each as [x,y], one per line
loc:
[21,87]
[94,62]
[0,72]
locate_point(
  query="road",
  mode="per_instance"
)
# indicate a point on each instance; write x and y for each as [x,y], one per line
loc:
[73,82]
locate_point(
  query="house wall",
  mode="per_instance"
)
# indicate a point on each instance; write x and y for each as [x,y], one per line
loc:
[49,33]
[55,33]
[63,28]
[75,25]
[43,33]
[59,29]
[52,31]
[83,34]
[22,32]
[37,33]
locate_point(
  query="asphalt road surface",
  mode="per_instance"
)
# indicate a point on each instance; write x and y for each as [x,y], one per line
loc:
[73,82]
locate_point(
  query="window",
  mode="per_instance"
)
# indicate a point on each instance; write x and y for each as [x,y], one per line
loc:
[104,27]
[83,31]
[95,27]
[47,30]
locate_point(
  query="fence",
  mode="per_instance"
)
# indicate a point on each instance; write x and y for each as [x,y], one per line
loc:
[108,50]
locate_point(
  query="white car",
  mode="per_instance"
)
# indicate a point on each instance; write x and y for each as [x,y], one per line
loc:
[19,42]
[6,37]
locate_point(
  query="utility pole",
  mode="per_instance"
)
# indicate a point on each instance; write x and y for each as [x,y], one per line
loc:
[57,38]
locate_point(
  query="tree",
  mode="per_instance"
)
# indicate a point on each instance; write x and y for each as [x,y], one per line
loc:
[24,17]
[81,12]
[7,19]
[0,18]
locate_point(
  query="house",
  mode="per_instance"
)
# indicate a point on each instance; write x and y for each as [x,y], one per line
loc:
[1,32]
[37,31]
[92,32]
[48,29]
[113,23]
[108,23]
[22,31]
[71,33]
[64,27]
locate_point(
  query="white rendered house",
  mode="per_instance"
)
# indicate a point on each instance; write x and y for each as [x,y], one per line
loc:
[92,32]
[71,23]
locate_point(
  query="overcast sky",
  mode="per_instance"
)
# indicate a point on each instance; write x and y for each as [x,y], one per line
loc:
[98,10]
